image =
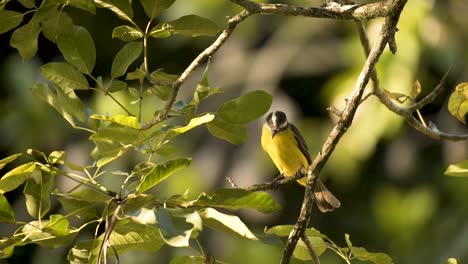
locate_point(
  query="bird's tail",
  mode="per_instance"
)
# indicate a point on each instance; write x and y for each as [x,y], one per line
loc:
[325,200]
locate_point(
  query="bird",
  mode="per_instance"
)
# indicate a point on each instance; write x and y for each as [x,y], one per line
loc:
[288,150]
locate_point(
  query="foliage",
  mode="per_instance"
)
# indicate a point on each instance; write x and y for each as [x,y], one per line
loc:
[133,216]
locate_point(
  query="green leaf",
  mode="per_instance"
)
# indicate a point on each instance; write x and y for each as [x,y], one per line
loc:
[78,49]
[194,122]
[57,157]
[37,190]
[48,233]
[123,120]
[458,102]
[122,8]
[16,177]
[190,25]
[6,212]
[235,199]
[164,78]
[125,57]
[162,92]
[189,260]
[154,8]
[377,258]
[64,75]
[55,24]
[84,252]
[302,252]
[127,33]
[116,86]
[83,203]
[128,235]
[245,108]
[57,225]
[177,225]
[161,172]
[459,169]
[226,223]
[5,161]
[27,3]
[285,230]
[64,101]
[86,5]
[24,39]
[8,244]
[232,133]
[9,20]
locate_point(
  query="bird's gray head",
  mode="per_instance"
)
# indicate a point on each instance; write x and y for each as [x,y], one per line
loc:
[277,122]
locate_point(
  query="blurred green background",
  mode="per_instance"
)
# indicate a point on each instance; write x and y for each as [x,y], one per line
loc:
[389,178]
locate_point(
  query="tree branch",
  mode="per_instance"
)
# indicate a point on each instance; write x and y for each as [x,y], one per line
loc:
[386,35]
[407,112]
[231,25]
[334,10]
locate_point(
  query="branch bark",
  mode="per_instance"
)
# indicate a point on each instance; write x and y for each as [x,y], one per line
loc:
[334,10]
[385,37]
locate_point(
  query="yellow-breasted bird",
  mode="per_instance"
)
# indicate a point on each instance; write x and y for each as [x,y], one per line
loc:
[288,150]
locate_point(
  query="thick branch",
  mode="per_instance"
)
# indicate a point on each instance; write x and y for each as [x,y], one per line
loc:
[386,34]
[335,11]
[202,57]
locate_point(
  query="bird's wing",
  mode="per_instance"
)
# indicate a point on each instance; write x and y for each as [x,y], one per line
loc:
[301,143]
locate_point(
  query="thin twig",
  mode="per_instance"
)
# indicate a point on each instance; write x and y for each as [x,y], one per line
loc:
[202,57]
[341,127]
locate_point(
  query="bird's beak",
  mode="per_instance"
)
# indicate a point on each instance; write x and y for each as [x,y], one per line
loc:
[273,132]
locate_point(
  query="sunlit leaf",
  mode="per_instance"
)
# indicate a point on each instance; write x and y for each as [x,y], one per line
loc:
[17,176]
[415,90]
[8,159]
[56,23]
[154,8]
[127,33]
[235,199]
[64,75]
[6,212]
[56,157]
[226,223]
[399,97]
[177,225]
[459,169]
[51,233]
[194,122]
[458,102]
[161,172]
[125,57]
[27,3]
[37,192]
[123,120]
[232,133]
[190,25]
[24,39]
[128,235]
[9,20]
[77,47]
[245,108]
[122,8]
